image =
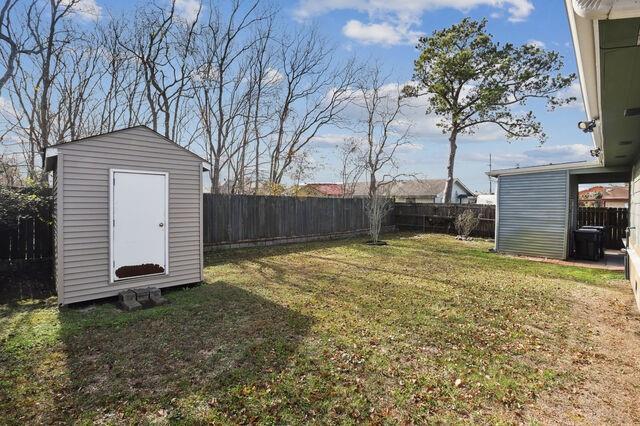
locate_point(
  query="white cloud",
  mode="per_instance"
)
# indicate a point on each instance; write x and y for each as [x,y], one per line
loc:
[414,121]
[559,153]
[188,9]
[272,76]
[538,156]
[384,33]
[6,107]
[330,139]
[518,10]
[85,9]
[572,91]
[537,43]
[393,22]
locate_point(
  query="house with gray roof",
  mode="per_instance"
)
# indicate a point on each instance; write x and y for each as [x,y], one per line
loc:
[422,191]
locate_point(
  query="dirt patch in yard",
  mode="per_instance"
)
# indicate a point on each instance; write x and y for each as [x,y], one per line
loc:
[605,361]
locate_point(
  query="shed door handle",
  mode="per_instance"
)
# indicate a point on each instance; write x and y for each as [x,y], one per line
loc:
[161,225]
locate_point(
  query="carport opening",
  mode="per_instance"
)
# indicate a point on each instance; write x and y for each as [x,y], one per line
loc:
[599,218]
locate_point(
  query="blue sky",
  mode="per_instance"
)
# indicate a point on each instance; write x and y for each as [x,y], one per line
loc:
[374,30]
[385,31]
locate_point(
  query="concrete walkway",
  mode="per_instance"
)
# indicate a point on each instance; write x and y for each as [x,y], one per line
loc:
[613,260]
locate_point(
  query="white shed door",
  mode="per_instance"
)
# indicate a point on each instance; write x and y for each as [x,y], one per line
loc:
[139,224]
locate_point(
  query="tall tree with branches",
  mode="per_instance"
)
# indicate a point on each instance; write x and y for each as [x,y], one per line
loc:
[15,39]
[471,80]
[381,103]
[351,165]
[33,94]
[314,91]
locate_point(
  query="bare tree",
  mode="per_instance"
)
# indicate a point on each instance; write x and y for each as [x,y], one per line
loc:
[222,76]
[32,96]
[9,171]
[313,93]
[302,168]
[465,223]
[76,90]
[226,83]
[123,77]
[378,207]
[352,165]
[381,104]
[15,39]
[163,44]
[266,79]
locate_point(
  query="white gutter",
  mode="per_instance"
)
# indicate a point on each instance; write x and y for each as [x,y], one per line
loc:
[596,10]
[585,41]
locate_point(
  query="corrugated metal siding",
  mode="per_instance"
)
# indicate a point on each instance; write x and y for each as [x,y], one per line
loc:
[85,196]
[532,214]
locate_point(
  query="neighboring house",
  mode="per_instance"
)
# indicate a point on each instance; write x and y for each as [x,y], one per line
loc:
[423,191]
[537,206]
[321,190]
[486,199]
[604,196]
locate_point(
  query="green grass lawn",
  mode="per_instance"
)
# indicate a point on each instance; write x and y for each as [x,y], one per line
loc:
[427,328]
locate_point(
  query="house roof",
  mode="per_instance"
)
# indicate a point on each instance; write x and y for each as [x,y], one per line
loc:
[617,192]
[51,151]
[328,189]
[608,192]
[412,188]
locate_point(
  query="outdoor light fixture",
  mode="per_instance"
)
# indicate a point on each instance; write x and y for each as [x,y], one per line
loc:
[587,126]
[595,152]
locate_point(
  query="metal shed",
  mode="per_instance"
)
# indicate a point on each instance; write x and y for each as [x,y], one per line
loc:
[536,209]
[128,213]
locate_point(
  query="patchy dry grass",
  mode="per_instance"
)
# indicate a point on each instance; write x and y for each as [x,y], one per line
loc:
[427,328]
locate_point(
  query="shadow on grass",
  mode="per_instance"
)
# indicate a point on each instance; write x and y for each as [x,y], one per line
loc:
[210,341]
[34,282]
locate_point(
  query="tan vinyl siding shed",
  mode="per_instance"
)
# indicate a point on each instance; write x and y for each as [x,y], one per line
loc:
[85,173]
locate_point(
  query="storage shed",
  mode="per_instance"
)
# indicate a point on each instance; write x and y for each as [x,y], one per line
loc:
[536,210]
[128,213]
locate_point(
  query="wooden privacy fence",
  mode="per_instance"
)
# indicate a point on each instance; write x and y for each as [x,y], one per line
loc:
[246,219]
[441,217]
[29,239]
[615,219]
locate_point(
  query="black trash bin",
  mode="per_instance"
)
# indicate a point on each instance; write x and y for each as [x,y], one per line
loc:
[587,244]
[603,236]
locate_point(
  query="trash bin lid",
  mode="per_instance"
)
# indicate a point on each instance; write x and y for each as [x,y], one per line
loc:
[586,231]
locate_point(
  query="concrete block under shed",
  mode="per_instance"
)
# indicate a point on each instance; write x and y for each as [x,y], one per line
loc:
[138,298]
[156,297]
[142,294]
[127,300]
